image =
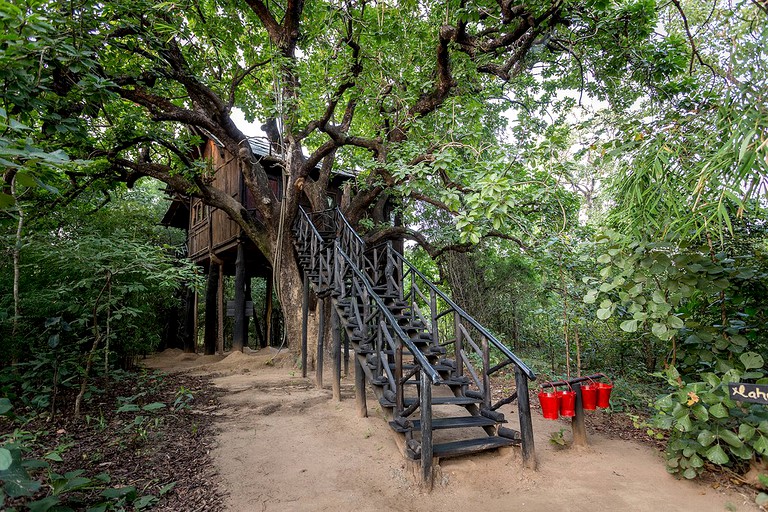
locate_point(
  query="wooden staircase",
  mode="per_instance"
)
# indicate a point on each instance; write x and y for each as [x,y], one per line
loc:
[427,361]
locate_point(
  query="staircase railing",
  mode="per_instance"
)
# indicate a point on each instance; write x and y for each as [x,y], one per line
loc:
[359,276]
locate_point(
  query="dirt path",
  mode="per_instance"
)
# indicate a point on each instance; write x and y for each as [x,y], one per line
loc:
[284,446]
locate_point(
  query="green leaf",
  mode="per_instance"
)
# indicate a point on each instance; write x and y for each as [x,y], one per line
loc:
[659,330]
[751,360]
[675,322]
[6,459]
[761,445]
[118,492]
[154,406]
[690,474]
[5,406]
[718,411]
[717,455]
[729,437]
[684,424]
[144,501]
[604,314]
[628,325]
[762,499]
[129,408]
[700,412]
[44,504]
[746,431]
[705,438]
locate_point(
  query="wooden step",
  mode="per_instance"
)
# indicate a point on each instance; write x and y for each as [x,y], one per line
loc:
[436,400]
[444,423]
[470,446]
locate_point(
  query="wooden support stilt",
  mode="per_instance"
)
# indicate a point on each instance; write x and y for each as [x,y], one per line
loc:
[220,311]
[577,422]
[195,325]
[426,430]
[189,330]
[336,354]
[248,300]
[304,320]
[524,415]
[360,400]
[346,352]
[268,313]
[211,294]
[320,343]
[239,323]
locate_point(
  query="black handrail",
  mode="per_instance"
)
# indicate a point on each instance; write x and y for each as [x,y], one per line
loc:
[482,330]
[391,320]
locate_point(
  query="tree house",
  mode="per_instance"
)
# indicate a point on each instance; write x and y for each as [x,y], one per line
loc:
[215,243]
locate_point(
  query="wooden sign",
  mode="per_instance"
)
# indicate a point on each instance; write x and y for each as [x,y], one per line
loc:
[757,393]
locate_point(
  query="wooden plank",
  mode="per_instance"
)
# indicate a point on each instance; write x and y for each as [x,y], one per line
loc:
[448,423]
[470,446]
[437,400]
[426,430]
[360,400]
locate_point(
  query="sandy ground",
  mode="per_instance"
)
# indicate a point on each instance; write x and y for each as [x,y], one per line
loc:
[286,446]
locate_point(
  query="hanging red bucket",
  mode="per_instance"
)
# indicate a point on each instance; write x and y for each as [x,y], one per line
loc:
[550,404]
[604,394]
[589,396]
[567,403]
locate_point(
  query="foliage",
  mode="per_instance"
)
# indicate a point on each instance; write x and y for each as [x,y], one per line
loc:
[708,425]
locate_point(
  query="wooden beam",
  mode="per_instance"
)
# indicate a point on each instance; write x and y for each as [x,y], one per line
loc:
[211,299]
[336,354]
[220,311]
[240,321]
[524,415]
[320,343]
[304,320]
[268,312]
[426,430]
[360,400]
[248,300]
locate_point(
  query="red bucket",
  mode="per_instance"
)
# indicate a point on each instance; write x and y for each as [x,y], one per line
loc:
[568,403]
[589,396]
[604,395]
[549,404]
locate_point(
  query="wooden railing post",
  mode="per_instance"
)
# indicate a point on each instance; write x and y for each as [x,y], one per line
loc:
[320,340]
[336,354]
[524,416]
[426,430]
[360,401]
[458,344]
[486,377]
[399,392]
[433,315]
[304,320]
